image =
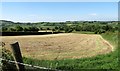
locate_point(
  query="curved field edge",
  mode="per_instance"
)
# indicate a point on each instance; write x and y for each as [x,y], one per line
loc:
[106,61]
[60,46]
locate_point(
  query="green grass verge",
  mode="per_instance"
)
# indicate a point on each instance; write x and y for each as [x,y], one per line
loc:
[111,37]
[83,32]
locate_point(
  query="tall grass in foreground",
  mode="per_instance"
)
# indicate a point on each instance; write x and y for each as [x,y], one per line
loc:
[106,61]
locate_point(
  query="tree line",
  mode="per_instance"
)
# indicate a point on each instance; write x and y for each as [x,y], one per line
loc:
[96,28]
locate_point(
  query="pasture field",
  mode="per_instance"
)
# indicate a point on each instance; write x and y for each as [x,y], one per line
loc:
[60,46]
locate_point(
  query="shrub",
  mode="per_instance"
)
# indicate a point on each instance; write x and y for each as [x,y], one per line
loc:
[31,29]
[19,28]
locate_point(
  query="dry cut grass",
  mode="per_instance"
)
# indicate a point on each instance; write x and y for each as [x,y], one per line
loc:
[60,46]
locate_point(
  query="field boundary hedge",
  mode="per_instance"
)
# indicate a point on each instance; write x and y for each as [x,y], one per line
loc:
[26,33]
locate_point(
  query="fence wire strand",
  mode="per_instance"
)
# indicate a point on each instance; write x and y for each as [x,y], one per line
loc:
[28,65]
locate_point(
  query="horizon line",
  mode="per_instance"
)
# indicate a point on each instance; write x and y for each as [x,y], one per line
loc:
[58,21]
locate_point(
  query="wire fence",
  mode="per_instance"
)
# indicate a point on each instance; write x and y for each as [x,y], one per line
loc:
[9,59]
[33,66]
[24,64]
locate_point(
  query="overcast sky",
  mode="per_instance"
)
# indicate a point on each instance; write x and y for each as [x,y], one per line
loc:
[59,11]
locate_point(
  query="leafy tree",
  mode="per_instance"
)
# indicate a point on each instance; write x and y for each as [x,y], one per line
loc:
[56,27]
[31,29]
[78,28]
[99,31]
[35,29]
[61,28]
[12,29]
[41,28]
[26,29]
[116,27]
[19,28]
[48,28]
[68,29]
[4,29]
[108,27]
[53,30]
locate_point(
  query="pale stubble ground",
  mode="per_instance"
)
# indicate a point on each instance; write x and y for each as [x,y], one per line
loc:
[60,46]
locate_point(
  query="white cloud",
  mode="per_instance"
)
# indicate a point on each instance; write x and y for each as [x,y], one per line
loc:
[32,15]
[93,14]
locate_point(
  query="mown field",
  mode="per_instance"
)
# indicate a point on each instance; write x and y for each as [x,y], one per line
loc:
[60,46]
[106,61]
[69,51]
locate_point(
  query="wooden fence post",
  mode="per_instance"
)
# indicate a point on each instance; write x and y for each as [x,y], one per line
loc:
[17,56]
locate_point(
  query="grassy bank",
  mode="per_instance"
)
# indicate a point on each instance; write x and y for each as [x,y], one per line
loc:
[106,61]
[111,37]
[83,32]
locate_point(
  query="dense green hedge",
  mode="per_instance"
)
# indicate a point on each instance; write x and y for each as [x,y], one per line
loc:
[27,33]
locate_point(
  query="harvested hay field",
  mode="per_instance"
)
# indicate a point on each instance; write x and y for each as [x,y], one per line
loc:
[60,46]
